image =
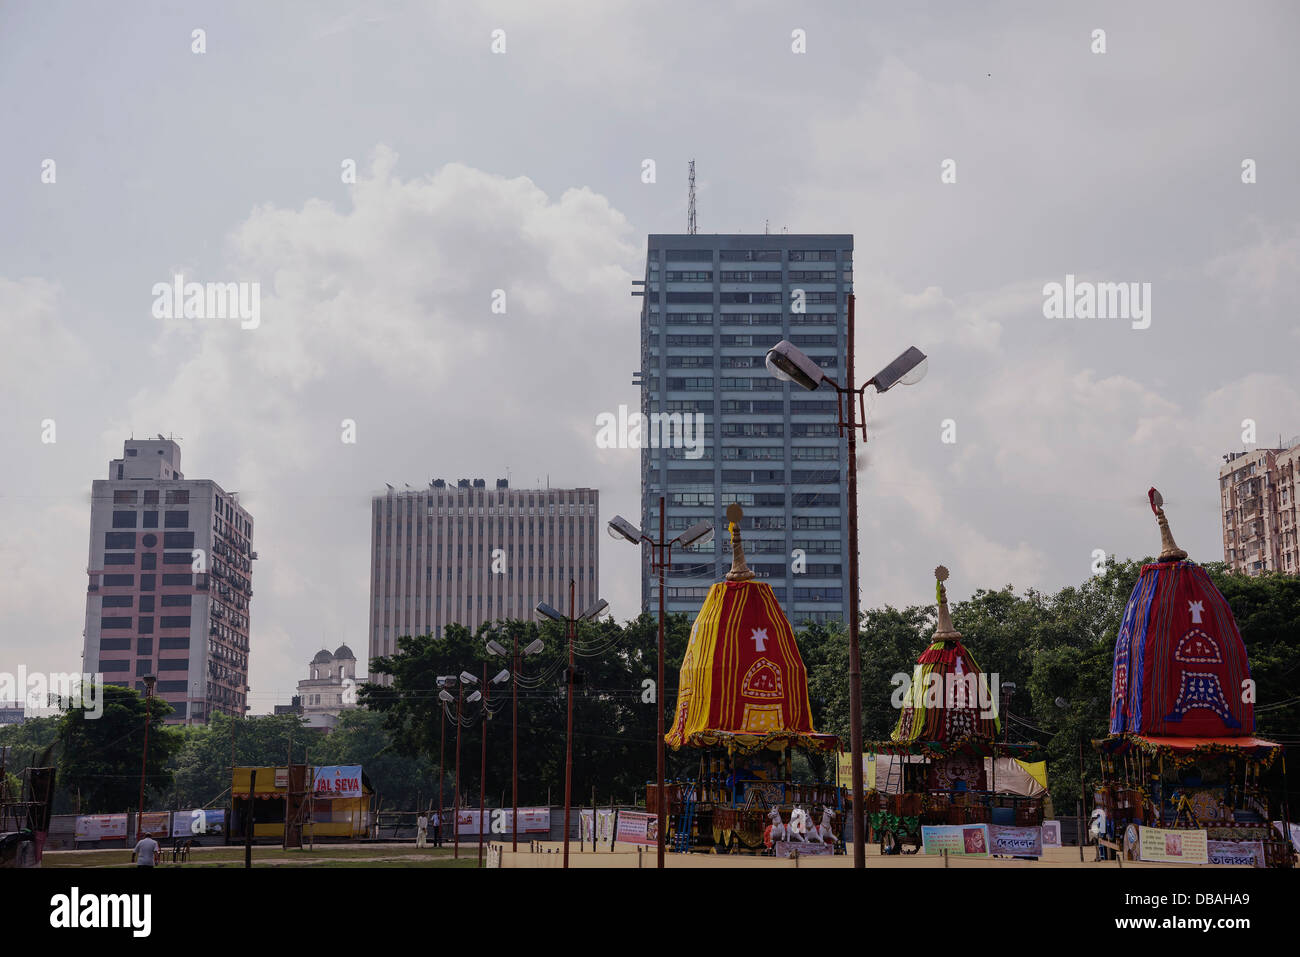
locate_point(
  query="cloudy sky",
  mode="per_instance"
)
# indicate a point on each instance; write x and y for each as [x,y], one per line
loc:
[522,171]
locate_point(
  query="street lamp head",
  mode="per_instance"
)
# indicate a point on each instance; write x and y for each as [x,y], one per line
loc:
[701,533]
[787,362]
[445,695]
[474,697]
[1062,703]
[534,647]
[445,681]
[495,648]
[594,610]
[501,676]
[548,611]
[908,369]
[468,679]
[149,683]
[619,527]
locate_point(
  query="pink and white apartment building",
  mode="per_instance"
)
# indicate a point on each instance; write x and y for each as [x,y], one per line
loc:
[170,580]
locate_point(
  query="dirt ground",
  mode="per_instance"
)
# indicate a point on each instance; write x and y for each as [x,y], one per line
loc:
[624,855]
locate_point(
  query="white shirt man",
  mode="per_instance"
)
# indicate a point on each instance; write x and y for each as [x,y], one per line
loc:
[146,850]
[421,829]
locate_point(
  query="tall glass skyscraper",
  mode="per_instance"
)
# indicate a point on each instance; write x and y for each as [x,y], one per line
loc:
[712,307]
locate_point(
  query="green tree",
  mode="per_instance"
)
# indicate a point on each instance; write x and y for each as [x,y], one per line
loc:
[101,756]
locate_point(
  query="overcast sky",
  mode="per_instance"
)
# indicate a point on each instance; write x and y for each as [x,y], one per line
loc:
[522,171]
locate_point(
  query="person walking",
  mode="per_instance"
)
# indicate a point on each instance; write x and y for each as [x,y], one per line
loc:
[146,852]
[437,829]
[421,830]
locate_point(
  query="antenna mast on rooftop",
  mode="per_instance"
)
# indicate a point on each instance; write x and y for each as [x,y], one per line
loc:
[690,206]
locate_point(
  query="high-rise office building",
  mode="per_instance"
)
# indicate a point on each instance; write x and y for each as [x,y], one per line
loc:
[467,554]
[170,573]
[1258,497]
[712,307]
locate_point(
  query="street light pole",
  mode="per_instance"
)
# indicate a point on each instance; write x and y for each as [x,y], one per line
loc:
[855,657]
[568,738]
[661,556]
[455,823]
[144,760]
[659,693]
[570,631]
[787,362]
[482,774]
[514,748]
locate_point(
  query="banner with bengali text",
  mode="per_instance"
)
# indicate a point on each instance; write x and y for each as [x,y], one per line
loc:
[635,827]
[967,840]
[1017,841]
[101,827]
[1169,846]
[1247,853]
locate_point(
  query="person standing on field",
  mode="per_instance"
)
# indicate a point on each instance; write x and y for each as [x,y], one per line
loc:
[421,830]
[146,852]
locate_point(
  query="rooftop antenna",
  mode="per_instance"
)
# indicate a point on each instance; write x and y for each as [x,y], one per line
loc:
[767,231]
[690,206]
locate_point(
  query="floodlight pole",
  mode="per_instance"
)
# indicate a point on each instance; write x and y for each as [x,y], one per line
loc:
[571,627]
[455,824]
[855,657]
[514,748]
[442,757]
[144,759]
[660,555]
[659,687]
[482,774]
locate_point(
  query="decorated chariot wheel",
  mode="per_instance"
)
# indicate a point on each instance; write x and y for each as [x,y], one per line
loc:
[889,843]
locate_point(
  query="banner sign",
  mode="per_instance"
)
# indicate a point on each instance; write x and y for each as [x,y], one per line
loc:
[101,827]
[281,779]
[1248,853]
[338,781]
[198,822]
[1166,846]
[1051,834]
[637,828]
[155,823]
[844,772]
[968,840]
[597,827]
[1017,841]
[804,848]
[532,820]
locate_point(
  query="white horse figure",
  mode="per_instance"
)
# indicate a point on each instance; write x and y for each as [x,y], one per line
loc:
[1097,824]
[799,824]
[779,831]
[824,831]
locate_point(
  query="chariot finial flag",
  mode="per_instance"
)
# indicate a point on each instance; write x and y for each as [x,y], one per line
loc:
[1169,550]
[740,572]
[944,629]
